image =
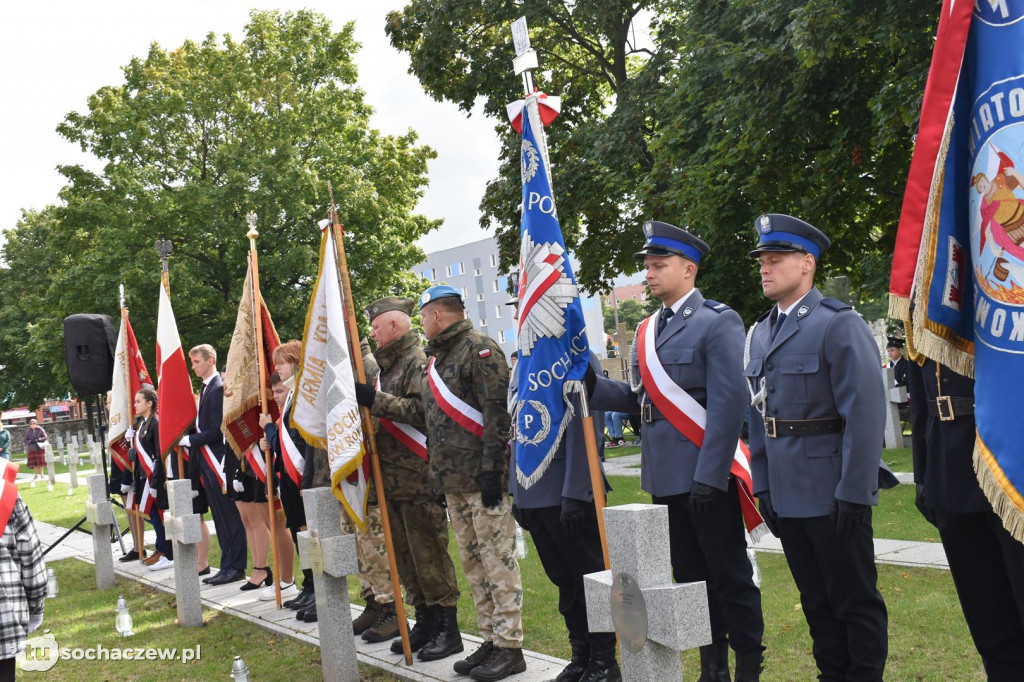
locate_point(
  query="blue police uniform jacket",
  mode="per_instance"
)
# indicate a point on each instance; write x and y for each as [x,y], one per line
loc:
[824,363]
[701,349]
[568,474]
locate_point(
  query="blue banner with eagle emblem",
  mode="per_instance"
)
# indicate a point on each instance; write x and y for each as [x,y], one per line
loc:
[968,290]
[553,347]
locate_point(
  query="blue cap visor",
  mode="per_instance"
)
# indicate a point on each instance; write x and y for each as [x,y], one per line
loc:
[675,245]
[788,238]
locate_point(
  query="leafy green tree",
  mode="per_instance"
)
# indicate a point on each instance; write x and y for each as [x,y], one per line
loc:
[740,107]
[194,139]
[630,313]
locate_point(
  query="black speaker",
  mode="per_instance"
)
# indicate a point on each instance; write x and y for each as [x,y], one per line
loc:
[89,342]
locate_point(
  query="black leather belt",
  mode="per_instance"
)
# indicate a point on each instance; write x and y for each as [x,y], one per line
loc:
[650,413]
[775,428]
[947,408]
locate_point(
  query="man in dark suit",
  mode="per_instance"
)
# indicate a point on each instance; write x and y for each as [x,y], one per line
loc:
[986,562]
[816,446]
[898,363]
[216,465]
[691,352]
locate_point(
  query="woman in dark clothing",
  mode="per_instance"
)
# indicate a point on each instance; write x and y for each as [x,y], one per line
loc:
[34,439]
[147,481]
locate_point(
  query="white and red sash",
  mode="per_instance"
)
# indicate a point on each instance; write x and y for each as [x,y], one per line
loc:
[8,492]
[461,412]
[407,435]
[690,418]
[215,464]
[256,461]
[291,456]
[145,459]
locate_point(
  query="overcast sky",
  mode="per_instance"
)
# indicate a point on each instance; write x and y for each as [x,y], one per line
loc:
[53,55]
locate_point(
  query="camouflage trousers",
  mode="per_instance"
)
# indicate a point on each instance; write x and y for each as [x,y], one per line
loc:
[374,577]
[419,531]
[487,547]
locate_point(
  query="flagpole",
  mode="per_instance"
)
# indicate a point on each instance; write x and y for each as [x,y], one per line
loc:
[133,518]
[368,429]
[261,362]
[164,248]
[523,64]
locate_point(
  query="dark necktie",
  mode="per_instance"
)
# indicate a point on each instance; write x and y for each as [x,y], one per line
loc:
[666,315]
[778,325]
[202,391]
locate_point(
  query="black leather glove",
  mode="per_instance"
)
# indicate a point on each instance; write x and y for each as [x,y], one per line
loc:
[590,381]
[921,502]
[365,394]
[517,514]
[490,488]
[441,501]
[702,497]
[573,516]
[768,513]
[848,515]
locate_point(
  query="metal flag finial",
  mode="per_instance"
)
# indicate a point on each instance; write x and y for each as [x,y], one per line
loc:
[163,249]
[250,218]
[526,58]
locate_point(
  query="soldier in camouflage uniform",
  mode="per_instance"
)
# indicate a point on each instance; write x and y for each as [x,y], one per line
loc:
[419,528]
[463,392]
[379,621]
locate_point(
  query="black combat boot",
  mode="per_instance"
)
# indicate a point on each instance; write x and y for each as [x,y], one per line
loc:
[385,627]
[367,618]
[580,658]
[447,639]
[499,665]
[748,665]
[602,666]
[466,665]
[714,663]
[421,633]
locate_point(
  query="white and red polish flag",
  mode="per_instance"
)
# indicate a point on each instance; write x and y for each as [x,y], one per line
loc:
[130,374]
[174,391]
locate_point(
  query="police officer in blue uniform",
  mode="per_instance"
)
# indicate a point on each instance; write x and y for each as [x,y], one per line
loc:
[815,445]
[558,512]
[986,562]
[700,344]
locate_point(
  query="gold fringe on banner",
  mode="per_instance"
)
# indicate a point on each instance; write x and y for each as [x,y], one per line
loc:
[1006,500]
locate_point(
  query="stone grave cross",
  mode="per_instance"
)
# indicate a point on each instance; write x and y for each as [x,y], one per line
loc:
[895,396]
[50,473]
[72,458]
[100,513]
[182,527]
[654,618]
[331,556]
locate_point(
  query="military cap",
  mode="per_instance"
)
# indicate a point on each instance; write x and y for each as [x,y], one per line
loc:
[662,239]
[779,232]
[438,291]
[894,342]
[389,303]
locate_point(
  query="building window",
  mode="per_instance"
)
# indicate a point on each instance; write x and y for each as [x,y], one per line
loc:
[448,271]
[497,311]
[495,286]
[465,293]
[501,336]
[494,260]
[428,274]
[480,297]
[483,321]
[476,272]
[459,268]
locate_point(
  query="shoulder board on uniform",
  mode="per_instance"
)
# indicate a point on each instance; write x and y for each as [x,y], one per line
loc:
[715,305]
[765,316]
[835,304]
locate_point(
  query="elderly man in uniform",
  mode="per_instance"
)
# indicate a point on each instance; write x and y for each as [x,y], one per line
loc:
[463,394]
[986,562]
[816,445]
[558,512]
[419,528]
[692,349]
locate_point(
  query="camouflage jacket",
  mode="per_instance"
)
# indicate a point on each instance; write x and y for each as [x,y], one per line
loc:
[474,368]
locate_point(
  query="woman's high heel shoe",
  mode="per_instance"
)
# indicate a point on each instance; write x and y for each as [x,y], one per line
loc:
[255,586]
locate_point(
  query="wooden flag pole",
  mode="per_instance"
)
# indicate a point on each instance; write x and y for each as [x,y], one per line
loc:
[523,64]
[368,429]
[261,363]
[164,247]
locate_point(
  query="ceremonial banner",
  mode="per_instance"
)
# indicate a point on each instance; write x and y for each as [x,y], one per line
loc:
[176,402]
[968,296]
[130,374]
[553,348]
[325,411]
[241,424]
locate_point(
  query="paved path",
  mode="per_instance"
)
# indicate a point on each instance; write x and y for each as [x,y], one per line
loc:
[245,605]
